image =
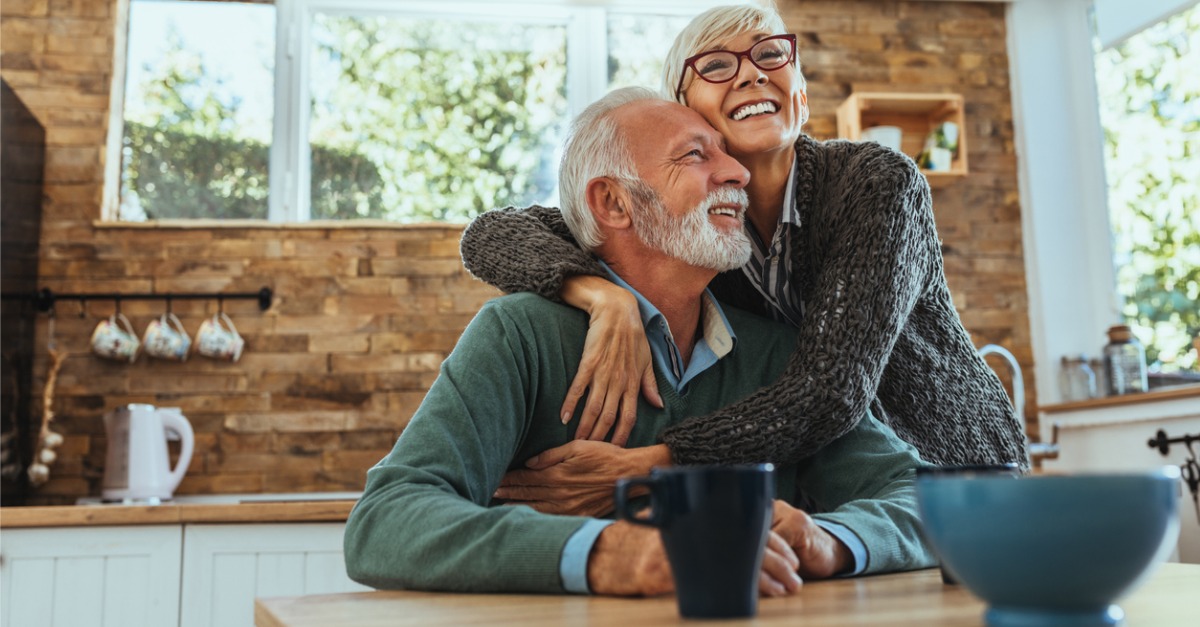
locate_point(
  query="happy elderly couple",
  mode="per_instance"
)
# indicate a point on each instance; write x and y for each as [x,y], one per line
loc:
[496,484]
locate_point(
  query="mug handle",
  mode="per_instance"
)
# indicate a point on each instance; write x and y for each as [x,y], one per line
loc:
[625,505]
[228,322]
[173,320]
[118,319]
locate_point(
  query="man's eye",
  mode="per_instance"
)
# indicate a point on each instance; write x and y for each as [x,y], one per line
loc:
[697,153]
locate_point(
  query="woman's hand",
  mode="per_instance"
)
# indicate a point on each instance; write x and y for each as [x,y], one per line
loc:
[821,555]
[577,478]
[616,361]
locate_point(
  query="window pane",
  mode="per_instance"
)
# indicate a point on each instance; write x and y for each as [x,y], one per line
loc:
[1150,109]
[198,110]
[420,119]
[637,46]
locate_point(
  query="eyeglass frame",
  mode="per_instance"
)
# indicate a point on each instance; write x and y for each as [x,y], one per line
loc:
[690,62]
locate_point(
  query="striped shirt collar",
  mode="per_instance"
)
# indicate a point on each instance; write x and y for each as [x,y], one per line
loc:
[772,264]
[716,340]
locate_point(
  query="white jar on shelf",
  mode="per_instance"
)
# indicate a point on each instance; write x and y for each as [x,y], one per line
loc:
[1077,380]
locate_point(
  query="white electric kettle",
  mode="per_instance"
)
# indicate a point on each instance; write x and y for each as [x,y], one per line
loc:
[137,468]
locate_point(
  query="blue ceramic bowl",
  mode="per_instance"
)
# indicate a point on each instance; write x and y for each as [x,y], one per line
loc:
[1051,551]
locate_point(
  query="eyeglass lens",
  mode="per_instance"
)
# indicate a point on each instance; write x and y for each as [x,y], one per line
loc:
[722,65]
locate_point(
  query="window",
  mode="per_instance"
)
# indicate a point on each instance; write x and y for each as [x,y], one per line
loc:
[408,112]
[1150,110]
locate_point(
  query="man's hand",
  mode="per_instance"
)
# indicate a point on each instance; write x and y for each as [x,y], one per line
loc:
[778,577]
[821,555]
[616,362]
[629,560]
[578,477]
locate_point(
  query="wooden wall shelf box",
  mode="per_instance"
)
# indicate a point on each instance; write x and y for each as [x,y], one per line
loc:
[916,115]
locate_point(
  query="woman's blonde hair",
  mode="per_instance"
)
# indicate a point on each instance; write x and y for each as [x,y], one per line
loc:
[710,30]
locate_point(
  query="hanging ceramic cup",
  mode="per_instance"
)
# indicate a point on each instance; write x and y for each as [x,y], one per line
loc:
[114,339]
[166,338]
[219,339]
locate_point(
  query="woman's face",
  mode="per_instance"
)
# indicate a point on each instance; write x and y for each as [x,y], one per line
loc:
[778,104]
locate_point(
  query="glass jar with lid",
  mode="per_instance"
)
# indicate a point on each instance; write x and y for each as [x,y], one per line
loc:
[1124,362]
[1077,379]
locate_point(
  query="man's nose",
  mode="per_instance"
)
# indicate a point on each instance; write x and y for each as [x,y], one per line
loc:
[730,172]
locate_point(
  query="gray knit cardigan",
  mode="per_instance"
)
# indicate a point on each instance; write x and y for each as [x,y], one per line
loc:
[880,331]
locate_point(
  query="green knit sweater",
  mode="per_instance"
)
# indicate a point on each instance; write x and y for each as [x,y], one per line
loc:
[427,520]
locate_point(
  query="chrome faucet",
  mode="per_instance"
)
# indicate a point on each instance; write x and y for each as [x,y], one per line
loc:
[1038,451]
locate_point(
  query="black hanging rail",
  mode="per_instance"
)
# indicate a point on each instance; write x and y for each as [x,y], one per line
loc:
[1163,443]
[45,298]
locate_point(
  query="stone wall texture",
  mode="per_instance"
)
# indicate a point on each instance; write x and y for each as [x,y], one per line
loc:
[363,315]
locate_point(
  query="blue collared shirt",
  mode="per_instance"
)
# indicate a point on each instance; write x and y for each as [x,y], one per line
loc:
[716,341]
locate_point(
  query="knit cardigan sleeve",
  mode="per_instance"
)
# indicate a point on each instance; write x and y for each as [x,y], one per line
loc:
[525,250]
[880,247]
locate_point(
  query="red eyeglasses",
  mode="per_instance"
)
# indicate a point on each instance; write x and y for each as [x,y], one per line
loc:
[720,66]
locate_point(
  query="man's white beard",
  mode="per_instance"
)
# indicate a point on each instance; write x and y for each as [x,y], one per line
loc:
[692,238]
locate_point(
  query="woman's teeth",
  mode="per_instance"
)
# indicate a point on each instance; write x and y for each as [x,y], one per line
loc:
[754,109]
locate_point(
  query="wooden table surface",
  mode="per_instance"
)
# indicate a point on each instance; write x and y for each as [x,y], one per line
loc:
[1170,598]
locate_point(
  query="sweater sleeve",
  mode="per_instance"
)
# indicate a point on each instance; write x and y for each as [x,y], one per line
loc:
[424,520]
[880,253]
[525,250]
[866,481]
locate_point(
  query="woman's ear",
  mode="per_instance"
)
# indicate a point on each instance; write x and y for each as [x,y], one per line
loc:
[803,107]
[609,203]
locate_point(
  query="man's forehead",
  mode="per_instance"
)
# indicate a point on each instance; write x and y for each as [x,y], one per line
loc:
[665,123]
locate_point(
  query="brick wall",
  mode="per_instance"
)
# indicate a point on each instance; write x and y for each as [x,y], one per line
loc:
[363,315]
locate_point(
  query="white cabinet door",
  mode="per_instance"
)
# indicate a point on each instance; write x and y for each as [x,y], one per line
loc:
[226,566]
[83,576]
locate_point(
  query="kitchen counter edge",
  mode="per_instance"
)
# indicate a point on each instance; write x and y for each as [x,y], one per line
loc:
[173,514]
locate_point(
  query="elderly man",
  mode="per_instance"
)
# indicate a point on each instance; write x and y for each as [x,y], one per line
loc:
[648,188]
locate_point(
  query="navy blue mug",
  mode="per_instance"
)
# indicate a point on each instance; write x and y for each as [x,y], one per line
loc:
[714,522]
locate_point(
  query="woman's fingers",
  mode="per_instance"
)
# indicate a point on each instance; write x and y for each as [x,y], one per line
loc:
[650,387]
[627,419]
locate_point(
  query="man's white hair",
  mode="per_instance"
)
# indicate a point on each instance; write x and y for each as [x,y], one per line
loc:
[595,147]
[709,31]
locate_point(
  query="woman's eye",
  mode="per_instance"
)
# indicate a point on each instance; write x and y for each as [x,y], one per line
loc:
[770,54]
[712,66]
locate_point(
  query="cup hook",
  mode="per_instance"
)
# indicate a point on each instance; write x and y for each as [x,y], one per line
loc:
[51,343]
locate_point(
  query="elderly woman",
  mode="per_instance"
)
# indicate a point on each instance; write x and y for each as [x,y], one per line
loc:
[845,249]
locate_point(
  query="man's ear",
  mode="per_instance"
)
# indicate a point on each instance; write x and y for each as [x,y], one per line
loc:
[609,202]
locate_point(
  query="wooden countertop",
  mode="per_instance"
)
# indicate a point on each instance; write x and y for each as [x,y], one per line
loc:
[173,514]
[904,599]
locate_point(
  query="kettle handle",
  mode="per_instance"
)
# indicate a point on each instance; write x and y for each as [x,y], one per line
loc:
[174,421]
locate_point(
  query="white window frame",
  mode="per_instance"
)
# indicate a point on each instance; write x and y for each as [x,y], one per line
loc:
[1067,236]
[289,167]
[290,171]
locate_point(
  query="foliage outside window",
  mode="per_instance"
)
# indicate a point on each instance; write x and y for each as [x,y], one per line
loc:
[1150,109]
[413,111]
